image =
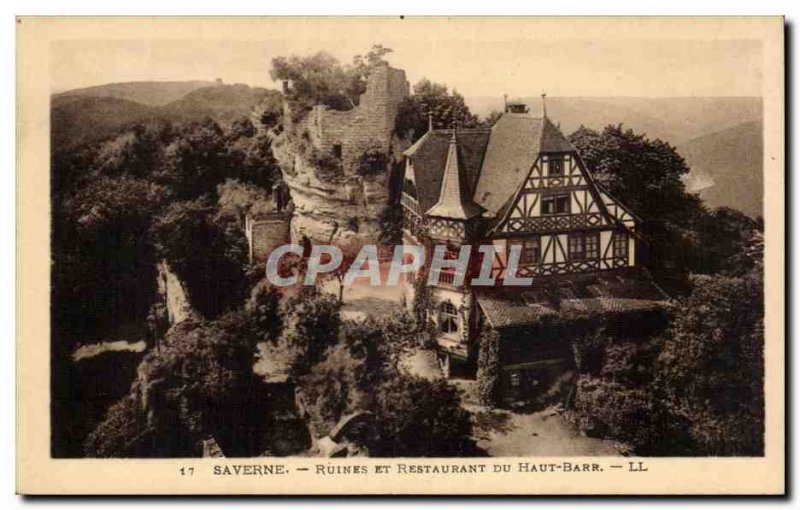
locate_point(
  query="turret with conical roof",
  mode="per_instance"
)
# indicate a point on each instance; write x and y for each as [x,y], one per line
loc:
[455,201]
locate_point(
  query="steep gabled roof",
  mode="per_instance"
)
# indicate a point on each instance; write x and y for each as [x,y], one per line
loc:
[516,141]
[510,154]
[552,139]
[455,200]
[429,157]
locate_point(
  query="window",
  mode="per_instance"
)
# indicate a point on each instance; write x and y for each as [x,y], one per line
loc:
[584,246]
[337,150]
[592,244]
[620,244]
[555,165]
[576,249]
[555,204]
[531,250]
[514,379]
[448,318]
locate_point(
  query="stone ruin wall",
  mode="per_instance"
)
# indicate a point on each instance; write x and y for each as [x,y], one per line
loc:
[266,233]
[344,209]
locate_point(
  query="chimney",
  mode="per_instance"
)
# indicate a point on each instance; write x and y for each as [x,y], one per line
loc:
[544,106]
[516,107]
[430,122]
[505,103]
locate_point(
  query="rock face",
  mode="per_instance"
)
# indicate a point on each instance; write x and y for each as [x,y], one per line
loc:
[338,164]
[174,295]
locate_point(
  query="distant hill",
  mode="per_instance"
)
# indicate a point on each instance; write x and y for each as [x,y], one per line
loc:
[79,118]
[727,167]
[149,93]
[224,103]
[673,119]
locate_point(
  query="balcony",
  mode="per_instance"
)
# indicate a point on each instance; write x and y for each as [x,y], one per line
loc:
[409,203]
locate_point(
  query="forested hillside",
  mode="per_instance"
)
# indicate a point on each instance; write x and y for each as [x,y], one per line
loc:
[727,167]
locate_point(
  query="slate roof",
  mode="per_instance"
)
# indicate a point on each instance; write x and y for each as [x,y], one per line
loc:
[571,295]
[429,157]
[553,140]
[493,163]
[510,154]
[455,199]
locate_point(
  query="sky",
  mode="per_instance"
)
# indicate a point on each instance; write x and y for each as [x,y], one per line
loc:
[475,59]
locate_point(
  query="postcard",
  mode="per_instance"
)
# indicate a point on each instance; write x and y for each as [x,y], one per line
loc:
[400,255]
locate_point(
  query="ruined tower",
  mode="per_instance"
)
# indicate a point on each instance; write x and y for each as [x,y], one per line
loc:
[337,164]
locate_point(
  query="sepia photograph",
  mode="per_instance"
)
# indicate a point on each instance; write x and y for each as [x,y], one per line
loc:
[346,241]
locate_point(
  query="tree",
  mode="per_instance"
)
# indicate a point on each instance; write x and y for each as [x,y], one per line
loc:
[365,354]
[187,390]
[492,118]
[311,326]
[252,161]
[723,242]
[712,365]
[240,199]
[103,260]
[414,417]
[362,66]
[215,274]
[432,99]
[489,383]
[241,128]
[264,307]
[196,160]
[645,175]
[319,78]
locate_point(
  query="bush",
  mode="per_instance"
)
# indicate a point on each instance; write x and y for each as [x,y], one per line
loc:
[609,409]
[589,351]
[373,162]
[326,166]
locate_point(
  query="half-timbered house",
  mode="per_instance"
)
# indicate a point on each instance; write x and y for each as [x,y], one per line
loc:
[521,185]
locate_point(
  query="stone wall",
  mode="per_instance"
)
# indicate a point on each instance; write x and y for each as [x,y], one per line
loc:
[340,202]
[266,233]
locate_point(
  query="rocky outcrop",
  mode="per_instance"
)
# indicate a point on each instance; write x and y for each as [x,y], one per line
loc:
[338,164]
[174,295]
